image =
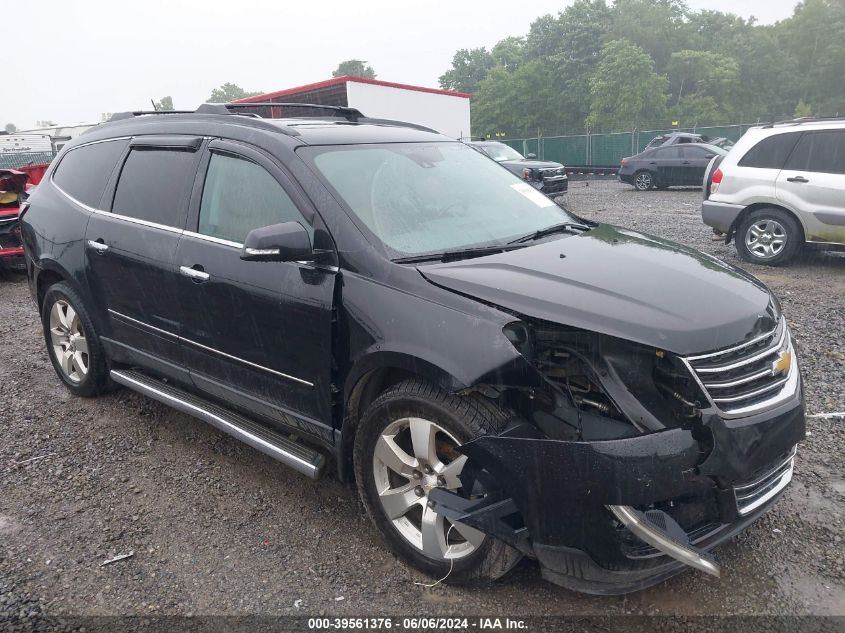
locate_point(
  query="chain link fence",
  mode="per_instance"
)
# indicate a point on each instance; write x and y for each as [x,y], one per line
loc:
[607,150]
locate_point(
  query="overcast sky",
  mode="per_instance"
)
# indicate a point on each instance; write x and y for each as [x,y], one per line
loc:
[79,58]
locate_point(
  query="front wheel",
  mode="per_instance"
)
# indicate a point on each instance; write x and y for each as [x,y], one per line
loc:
[405,447]
[768,236]
[643,180]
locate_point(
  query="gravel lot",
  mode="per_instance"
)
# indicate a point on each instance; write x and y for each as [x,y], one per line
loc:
[217,528]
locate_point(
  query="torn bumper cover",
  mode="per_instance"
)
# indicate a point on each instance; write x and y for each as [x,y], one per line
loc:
[552,496]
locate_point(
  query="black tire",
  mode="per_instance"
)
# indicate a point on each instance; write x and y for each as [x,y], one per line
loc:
[96,380]
[783,225]
[644,180]
[465,417]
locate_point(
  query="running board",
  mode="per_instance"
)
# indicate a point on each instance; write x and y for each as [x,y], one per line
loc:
[301,458]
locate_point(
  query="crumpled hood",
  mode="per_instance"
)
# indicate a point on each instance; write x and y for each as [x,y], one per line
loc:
[621,283]
[530,163]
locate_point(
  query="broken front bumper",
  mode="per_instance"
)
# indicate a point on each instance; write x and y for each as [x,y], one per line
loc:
[559,492]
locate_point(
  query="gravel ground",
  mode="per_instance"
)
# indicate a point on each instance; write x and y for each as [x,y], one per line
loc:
[217,528]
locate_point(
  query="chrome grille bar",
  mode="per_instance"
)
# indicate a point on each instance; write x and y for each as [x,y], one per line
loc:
[751,495]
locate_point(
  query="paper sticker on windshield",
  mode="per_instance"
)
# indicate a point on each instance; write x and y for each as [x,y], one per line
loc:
[533,195]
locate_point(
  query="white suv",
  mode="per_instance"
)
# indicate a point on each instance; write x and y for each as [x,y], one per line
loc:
[780,187]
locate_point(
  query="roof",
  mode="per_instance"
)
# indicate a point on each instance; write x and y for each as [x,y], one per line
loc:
[337,81]
[297,131]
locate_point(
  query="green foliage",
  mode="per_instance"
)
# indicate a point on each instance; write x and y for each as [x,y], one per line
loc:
[624,89]
[699,67]
[166,103]
[469,68]
[11,128]
[354,67]
[803,109]
[229,92]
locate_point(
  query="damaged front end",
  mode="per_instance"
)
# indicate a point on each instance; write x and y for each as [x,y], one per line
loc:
[623,463]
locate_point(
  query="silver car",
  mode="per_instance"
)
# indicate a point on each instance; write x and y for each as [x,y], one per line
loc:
[781,187]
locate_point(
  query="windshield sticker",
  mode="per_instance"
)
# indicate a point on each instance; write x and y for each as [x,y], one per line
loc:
[533,195]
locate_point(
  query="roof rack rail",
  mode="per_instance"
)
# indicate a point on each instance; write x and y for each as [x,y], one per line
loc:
[472,138]
[350,114]
[120,116]
[805,119]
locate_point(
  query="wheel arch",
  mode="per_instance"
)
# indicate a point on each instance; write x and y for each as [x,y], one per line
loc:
[370,377]
[49,273]
[739,219]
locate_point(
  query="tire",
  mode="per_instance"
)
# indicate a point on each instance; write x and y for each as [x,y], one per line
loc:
[644,180]
[477,558]
[768,236]
[67,326]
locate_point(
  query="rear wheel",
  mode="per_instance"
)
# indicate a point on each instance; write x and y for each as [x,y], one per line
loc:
[404,448]
[644,180]
[768,236]
[72,343]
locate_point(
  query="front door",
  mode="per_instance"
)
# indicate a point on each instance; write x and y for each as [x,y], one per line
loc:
[130,250]
[257,335]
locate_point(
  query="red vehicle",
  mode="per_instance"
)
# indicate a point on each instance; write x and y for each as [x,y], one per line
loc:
[14,187]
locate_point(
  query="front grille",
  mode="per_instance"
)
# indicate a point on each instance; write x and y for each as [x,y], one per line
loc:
[751,377]
[753,493]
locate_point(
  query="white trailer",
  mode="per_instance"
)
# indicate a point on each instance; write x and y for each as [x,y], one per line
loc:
[446,111]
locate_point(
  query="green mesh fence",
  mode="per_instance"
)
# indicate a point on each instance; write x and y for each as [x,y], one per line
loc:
[607,150]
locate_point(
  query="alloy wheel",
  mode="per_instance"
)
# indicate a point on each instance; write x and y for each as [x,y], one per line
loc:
[766,239]
[412,457]
[643,181]
[68,340]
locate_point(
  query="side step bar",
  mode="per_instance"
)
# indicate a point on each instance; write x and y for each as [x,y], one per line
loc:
[301,458]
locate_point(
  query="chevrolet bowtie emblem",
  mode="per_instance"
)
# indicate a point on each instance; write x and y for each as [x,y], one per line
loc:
[781,365]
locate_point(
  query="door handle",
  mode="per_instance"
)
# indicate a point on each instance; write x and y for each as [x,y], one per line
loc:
[197,275]
[685,162]
[98,245]
[797,179]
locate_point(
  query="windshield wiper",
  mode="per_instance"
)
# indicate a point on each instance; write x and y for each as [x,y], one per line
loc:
[565,227]
[461,253]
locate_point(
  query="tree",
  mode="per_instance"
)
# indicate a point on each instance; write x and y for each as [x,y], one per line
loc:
[11,128]
[229,92]
[469,68]
[802,110]
[356,68]
[165,104]
[703,86]
[625,92]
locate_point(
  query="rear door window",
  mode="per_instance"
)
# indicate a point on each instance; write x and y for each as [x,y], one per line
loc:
[239,196]
[819,151]
[670,152]
[771,152]
[154,185]
[84,171]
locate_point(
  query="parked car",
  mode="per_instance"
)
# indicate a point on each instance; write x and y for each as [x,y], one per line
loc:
[547,176]
[668,166]
[499,377]
[676,138]
[781,188]
[12,193]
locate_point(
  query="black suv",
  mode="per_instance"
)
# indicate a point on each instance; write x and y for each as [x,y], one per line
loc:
[499,377]
[547,176]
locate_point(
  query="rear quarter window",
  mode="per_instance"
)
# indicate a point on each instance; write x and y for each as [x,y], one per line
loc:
[771,152]
[84,171]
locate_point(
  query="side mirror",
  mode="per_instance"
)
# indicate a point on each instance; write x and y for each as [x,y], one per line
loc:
[709,156]
[286,242]
[531,156]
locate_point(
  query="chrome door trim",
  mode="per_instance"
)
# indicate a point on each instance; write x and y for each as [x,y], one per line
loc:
[182,339]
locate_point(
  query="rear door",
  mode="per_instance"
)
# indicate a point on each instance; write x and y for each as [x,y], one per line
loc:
[131,245]
[813,182]
[256,335]
[667,161]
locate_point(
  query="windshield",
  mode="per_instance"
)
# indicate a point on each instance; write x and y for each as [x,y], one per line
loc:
[420,198]
[501,152]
